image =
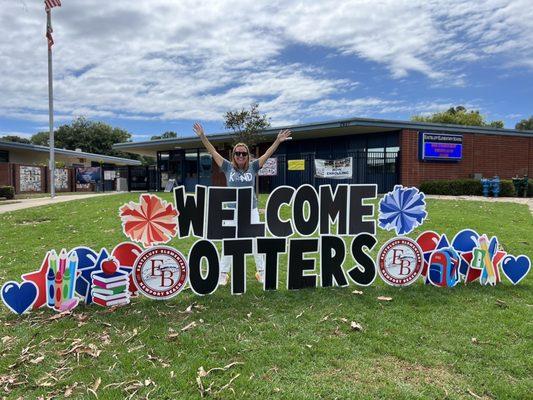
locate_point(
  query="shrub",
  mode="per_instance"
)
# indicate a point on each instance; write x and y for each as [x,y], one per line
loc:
[507,188]
[7,191]
[467,187]
[457,187]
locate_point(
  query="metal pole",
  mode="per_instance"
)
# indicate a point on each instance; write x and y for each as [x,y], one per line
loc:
[51,112]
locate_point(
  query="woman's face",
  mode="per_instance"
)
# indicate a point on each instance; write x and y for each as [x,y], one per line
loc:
[240,154]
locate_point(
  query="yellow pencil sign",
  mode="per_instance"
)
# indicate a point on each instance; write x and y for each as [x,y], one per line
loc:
[296,165]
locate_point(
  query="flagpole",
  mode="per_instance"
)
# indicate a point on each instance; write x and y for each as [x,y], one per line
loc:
[51,111]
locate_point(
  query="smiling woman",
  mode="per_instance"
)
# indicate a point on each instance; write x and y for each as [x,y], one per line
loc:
[240,172]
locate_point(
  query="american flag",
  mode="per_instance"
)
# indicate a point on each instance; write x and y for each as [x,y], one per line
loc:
[49,4]
[49,31]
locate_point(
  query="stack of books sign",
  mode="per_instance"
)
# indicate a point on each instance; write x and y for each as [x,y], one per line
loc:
[110,289]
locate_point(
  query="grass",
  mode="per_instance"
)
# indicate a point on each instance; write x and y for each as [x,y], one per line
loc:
[46,195]
[286,344]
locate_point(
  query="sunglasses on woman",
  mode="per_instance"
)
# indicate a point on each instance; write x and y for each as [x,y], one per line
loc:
[241,153]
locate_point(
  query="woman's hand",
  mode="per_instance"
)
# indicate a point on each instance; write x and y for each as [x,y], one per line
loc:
[284,135]
[198,129]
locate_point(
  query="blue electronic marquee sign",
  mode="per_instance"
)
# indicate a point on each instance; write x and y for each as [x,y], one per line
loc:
[440,146]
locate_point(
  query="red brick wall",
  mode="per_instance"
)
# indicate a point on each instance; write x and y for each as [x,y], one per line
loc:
[6,174]
[505,156]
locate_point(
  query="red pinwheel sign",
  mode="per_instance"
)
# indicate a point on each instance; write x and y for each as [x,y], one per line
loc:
[151,221]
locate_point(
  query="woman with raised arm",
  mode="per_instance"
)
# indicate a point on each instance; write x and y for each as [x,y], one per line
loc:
[240,172]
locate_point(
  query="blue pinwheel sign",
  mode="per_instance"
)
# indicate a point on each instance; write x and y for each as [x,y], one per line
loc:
[402,210]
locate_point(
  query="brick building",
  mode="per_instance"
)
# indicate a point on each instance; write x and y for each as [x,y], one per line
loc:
[25,167]
[381,151]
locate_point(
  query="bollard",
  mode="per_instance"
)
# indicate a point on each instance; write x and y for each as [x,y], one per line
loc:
[486,187]
[517,185]
[496,187]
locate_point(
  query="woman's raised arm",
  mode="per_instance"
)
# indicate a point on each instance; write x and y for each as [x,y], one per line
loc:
[199,130]
[282,136]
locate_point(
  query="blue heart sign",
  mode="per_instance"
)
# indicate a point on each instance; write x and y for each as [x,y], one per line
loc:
[19,297]
[516,268]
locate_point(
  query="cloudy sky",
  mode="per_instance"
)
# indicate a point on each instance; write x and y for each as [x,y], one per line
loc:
[156,65]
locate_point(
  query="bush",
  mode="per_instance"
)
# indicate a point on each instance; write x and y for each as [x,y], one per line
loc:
[8,192]
[457,187]
[468,187]
[507,188]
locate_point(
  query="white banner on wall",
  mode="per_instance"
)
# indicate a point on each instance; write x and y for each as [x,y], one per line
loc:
[270,168]
[30,179]
[61,179]
[334,169]
[109,175]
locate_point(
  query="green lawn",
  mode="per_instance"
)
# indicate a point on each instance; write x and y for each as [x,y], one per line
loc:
[468,342]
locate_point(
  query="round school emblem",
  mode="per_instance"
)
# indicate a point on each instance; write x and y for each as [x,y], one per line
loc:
[400,261]
[160,272]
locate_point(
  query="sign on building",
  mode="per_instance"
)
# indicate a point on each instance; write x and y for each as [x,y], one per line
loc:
[296,165]
[440,146]
[30,179]
[334,169]
[270,168]
[61,179]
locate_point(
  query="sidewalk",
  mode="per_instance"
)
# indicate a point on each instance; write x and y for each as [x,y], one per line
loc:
[519,200]
[14,205]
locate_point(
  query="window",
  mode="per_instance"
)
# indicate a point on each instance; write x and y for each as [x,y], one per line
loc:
[4,156]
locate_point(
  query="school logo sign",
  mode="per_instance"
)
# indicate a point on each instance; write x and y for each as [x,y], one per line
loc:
[160,273]
[400,261]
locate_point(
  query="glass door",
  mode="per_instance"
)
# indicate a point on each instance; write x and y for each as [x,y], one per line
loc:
[191,170]
[205,169]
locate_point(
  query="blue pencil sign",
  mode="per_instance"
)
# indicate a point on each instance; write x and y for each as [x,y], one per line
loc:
[440,146]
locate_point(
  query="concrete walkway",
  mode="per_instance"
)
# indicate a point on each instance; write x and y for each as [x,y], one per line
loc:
[14,205]
[519,200]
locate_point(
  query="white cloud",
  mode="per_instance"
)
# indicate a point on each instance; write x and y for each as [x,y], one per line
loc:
[164,59]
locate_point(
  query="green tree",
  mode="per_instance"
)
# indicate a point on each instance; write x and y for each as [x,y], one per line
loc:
[246,124]
[166,135]
[14,138]
[89,136]
[525,124]
[458,116]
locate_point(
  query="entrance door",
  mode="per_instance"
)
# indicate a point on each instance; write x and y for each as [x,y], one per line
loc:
[175,167]
[191,170]
[205,169]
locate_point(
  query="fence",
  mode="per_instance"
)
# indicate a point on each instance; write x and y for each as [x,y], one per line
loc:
[380,167]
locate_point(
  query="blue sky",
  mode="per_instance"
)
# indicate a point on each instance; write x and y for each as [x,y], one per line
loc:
[160,65]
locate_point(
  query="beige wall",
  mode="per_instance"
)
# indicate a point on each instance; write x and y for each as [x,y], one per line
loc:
[38,158]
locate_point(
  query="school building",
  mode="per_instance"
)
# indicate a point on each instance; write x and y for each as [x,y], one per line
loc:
[376,151]
[26,167]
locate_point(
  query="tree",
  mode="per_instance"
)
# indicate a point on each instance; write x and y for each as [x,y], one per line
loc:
[89,136]
[14,138]
[525,124]
[458,116]
[166,135]
[246,124]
